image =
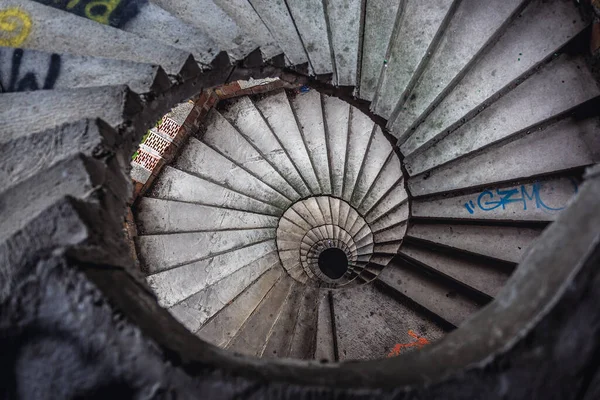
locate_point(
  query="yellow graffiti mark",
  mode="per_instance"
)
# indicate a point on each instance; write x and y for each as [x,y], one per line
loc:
[101,10]
[419,343]
[15,26]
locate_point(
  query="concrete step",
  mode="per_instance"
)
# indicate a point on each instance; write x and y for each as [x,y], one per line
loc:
[247,19]
[25,113]
[198,309]
[391,198]
[377,153]
[310,21]
[154,216]
[220,135]
[390,178]
[45,188]
[206,16]
[336,114]
[254,333]
[484,277]
[27,70]
[539,32]
[277,17]
[420,24]
[380,19]
[173,184]
[89,38]
[202,161]
[344,26]
[360,130]
[179,283]
[539,200]
[528,155]
[280,337]
[242,114]
[325,346]
[504,243]
[357,310]
[474,26]
[152,22]
[428,291]
[308,111]
[562,85]
[391,210]
[391,233]
[393,217]
[223,327]
[276,110]
[303,343]
[160,252]
[24,156]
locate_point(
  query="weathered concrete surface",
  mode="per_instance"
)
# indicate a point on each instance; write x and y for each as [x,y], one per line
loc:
[380,19]
[221,329]
[361,128]
[308,110]
[427,291]
[539,200]
[336,115]
[473,26]
[210,19]
[197,309]
[324,341]
[504,243]
[219,134]
[559,87]
[247,119]
[526,42]
[276,110]
[482,276]
[25,113]
[419,24]
[282,333]
[390,177]
[397,197]
[176,284]
[276,16]
[567,144]
[44,70]
[90,38]
[359,308]
[309,18]
[253,334]
[344,20]
[303,343]
[165,216]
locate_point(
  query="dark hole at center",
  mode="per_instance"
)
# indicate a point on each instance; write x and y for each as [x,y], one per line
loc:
[333,263]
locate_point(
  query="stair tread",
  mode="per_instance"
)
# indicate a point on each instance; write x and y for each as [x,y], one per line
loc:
[504,243]
[420,23]
[540,200]
[393,198]
[309,18]
[177,284]
[247,119]
[380,18]
[219,134]
[560,86]
[252,336]
[336,114]
[529,39]
[390,179]
[166,216]
[196,310]
[173,184]
[473,25]
[357,310]
[567,144]
[303,346]
[434,295]
[87,37]
[281,25]
[486,278]
[221,329]
[360,127]
[344,21]
[324,342]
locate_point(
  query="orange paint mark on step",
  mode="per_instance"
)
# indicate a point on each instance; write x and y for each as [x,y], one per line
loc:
[419,343]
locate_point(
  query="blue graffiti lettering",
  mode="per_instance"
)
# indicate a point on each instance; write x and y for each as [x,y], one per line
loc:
[490,200]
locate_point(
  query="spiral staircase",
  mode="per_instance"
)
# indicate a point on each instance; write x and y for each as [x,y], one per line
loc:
[440,147]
